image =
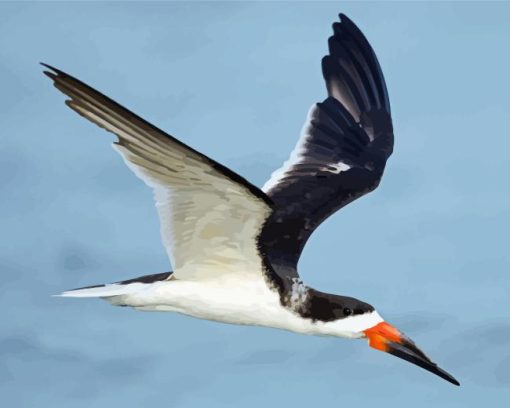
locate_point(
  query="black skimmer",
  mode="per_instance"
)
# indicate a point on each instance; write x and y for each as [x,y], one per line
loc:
[234,248]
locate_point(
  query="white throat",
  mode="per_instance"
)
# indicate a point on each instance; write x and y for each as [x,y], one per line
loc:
[349,327]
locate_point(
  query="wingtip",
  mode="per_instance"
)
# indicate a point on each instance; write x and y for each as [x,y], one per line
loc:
[48,66]
[50,75]
[56,72]
[344,18]
[345,26]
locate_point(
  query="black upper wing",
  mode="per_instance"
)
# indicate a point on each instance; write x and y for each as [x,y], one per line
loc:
[341,154]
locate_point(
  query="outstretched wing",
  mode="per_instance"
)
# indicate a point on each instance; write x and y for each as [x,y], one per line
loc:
[210,216]
[342,151]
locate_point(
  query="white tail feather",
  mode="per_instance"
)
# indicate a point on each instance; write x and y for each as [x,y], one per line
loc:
[113,289]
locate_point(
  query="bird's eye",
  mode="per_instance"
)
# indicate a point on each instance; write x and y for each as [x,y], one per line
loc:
[347,311]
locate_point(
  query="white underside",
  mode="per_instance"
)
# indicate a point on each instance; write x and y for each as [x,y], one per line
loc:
[237,299]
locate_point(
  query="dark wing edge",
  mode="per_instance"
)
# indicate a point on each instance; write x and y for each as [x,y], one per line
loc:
[80,94]
[352,72]
[341,154]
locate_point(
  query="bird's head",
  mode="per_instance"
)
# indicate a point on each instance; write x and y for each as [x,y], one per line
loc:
[349,317]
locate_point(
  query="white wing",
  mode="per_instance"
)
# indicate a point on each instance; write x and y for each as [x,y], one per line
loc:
[210,217]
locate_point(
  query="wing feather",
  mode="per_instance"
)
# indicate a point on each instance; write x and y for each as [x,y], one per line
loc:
[341,154]
[210,217]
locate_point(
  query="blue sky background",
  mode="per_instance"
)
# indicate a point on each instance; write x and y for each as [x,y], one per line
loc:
[429,248]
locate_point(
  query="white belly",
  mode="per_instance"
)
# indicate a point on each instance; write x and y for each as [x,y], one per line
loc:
[229,300]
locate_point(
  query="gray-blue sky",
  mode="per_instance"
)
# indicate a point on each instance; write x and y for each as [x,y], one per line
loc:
[429,248]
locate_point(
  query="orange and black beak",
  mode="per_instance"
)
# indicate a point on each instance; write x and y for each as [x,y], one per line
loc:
[385,337]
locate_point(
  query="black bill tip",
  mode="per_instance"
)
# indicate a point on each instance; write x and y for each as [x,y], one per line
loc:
[409,352]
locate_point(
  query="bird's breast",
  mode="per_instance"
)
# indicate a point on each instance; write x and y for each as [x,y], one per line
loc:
[229,299]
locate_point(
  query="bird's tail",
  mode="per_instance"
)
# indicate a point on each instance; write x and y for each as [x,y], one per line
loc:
[118,288]
[101,291]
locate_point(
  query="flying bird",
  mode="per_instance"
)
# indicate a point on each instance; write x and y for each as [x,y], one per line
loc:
[234,248]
